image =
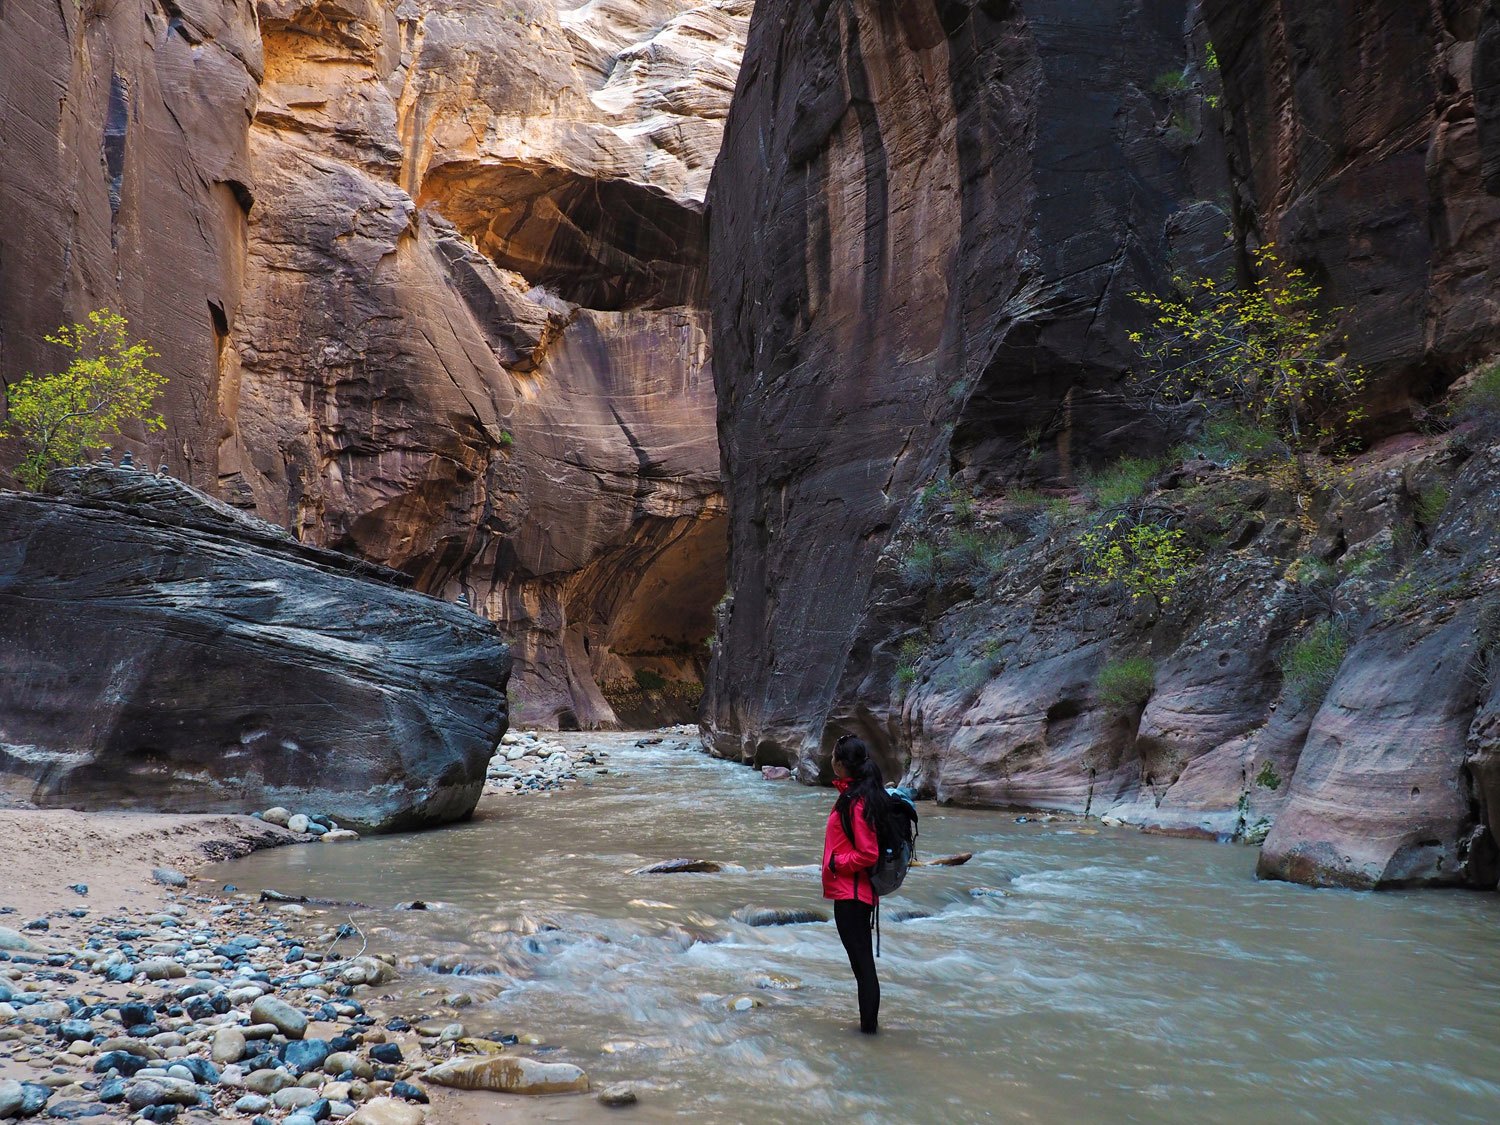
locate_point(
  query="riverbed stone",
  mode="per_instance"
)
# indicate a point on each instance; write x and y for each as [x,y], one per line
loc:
[228,1045]
[273,1010]
[341,1062]
[161,968]
[511,1074]
[277,815]
[778,915]
[12,940]
[387,1111]
[298,822]
[267,1081]
[618,1095]
[294,1097]
[11,1095]
[305,1055]
[169,877]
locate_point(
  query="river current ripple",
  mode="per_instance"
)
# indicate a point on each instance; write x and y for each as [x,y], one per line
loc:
[1122,977]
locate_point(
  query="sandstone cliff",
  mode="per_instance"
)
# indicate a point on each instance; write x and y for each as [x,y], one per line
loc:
[941,297]
[168,653]
[927,220]
[428,282]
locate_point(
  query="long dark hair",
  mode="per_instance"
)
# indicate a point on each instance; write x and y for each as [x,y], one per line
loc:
[865,783]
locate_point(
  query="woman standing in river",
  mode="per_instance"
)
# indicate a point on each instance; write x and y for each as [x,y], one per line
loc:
[850,849]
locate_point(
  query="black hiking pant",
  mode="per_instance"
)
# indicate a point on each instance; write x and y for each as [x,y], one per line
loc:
[852,918]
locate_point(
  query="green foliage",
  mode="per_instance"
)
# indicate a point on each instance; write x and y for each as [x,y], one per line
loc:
[514,705]
[1210,57]
[1431,503]
[1126,683]
[507,438]
[1169,83]
[981,669]
[1180,128]
[1398,595]
[1231,438]
[919,566]
[1479,398]
[1122,482]
[1261,349]
[1367,560]
[649,679]
[1309,666]
[907,657]
[963,506]
[107,384]
[974,551]
[1147,559]
[1309,570]
[1268,778]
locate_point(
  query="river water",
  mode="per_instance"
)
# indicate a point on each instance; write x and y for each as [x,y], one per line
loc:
[1124,977]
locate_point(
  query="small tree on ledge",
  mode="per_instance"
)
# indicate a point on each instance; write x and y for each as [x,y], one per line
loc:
[106,385]
[1263,349]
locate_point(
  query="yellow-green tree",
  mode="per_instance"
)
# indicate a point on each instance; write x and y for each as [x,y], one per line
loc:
[107,384]
[1262,347]
[1146,559]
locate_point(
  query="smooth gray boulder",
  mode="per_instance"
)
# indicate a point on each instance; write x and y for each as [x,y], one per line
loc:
[166,652]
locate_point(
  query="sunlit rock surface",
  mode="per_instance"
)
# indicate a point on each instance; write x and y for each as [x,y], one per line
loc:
[428,280]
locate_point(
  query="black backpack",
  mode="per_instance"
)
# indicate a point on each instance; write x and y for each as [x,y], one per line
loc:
[898,844]
[896,838]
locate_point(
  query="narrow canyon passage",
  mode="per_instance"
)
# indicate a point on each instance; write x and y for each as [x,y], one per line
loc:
[1120,976]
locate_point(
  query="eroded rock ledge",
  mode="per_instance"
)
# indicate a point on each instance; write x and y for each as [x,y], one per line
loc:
[169,653]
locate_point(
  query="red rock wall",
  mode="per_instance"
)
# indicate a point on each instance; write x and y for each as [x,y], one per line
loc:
[427,281]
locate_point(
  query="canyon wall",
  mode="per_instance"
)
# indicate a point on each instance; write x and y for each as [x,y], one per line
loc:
[925,367]
[927,222]
[428,281]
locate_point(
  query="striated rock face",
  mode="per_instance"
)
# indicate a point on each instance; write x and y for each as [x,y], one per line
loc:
[1366,143]
[461,329]
[926,223]
[166,652]
[126,183]
[913,288]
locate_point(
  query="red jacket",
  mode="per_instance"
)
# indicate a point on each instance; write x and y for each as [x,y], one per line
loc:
[843,859]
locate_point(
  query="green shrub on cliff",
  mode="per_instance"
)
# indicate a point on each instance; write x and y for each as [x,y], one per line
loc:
[976,552]
[1261,349]
[1124,481]
[1309,666]
[1479,398]
[919,565]
[907,657]
[1126,683]
[649,679]
[107,384]
[1146,559]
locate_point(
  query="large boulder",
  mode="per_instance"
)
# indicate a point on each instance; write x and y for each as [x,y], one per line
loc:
[164,651]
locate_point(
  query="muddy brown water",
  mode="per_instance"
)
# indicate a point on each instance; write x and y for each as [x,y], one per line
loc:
[1124,977]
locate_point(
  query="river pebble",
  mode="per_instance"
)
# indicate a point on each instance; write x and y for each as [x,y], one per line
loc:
[195,1006]
[531,762]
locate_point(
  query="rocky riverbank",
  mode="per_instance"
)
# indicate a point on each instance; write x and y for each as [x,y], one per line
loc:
[535,762]
[132,986]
